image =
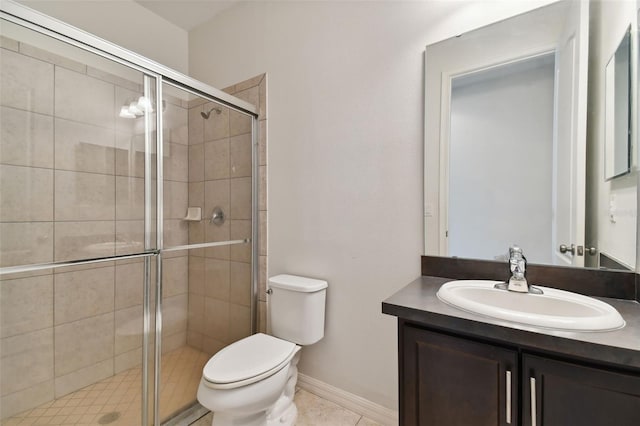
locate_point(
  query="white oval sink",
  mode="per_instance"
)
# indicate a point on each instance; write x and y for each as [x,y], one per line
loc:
[554,308]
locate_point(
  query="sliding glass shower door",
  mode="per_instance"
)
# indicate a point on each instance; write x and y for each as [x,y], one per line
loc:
[127,229]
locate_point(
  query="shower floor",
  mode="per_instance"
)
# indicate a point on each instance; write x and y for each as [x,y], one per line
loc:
[115,401]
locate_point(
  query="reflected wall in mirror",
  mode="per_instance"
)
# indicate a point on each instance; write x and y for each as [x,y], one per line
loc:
[512,142]
[617,132]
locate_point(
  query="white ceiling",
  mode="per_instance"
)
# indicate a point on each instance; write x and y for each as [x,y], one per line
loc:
[187,14]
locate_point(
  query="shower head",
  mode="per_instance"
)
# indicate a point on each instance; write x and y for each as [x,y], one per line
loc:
[206,115]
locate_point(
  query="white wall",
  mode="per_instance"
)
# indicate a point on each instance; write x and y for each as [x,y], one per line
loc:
[345,94]
[500,161]
[614,236]
[125,23]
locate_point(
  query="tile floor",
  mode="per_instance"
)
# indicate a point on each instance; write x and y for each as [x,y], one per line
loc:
[115,401]
[315,411]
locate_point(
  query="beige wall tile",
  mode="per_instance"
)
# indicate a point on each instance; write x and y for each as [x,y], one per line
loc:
[262,143]
[176,162]
[79,240]
[240,279]
[26,305]
[130,237]
[174,314]
[249,94]
[263,188]
[83,343]
[195,340]
[127,360]
[132,82]
[130,155]
[26,83]
[26,399]
[221,253]
[176,232]
[211,346]
[85,99]
[9,43]
[84,147]
[83,377]
[173,342]
[196,236]
[196,125]
[176,124]
[52,58]
[239,123]
[217,279]
[26,360]
[195,317]
[26,194]
[262,278]
[240,155]
[217,125]
[129,198]
[213,233]
[216,319]
[196,195]
[26,138]
[216,159]
[253,81]
[263,99]
[240,229]
[129,282]
[262,233]
[84,196]
[239,322]
[240,198]
[128,333]
[83,294]
[25,243]
[176,199]
[196,162]
[175,275]
[262,317]
[196,275]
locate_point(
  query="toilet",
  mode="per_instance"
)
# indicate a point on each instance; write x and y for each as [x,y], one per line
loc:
[252,381]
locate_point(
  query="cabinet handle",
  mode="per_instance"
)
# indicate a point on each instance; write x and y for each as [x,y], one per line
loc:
[508,397]
[532,381]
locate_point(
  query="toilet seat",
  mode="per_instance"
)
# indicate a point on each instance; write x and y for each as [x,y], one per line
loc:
[247,361]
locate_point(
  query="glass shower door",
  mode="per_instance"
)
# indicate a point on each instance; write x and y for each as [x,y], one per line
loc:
[77,233]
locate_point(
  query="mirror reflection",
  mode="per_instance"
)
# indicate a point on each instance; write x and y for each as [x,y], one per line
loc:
[513,140]
[617,131]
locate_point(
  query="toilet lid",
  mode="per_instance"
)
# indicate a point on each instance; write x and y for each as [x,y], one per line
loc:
[247,358]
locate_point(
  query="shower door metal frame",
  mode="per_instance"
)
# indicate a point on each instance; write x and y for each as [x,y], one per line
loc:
[43,24]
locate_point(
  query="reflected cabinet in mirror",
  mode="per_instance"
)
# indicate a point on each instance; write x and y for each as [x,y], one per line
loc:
[515,132]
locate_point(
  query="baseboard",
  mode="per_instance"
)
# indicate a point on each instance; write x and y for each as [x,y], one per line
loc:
[355,403]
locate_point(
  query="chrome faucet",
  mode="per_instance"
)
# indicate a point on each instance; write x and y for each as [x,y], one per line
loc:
[518,268]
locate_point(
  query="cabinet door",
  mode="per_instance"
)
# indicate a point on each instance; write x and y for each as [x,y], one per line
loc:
[452,381]
[561,393]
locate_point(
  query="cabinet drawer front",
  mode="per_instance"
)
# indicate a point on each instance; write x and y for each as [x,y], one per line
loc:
[572,394]
[453,381]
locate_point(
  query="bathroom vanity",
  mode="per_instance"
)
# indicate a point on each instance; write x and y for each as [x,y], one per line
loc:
[460,368]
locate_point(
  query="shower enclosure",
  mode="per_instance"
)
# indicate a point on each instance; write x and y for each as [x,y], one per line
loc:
[127,228]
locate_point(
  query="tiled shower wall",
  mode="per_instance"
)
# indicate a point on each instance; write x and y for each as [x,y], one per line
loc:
[220,175]
[71,187]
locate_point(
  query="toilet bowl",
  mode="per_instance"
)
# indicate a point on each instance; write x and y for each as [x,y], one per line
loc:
[252,381]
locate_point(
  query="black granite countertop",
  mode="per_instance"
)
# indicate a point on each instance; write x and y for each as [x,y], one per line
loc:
[418,303]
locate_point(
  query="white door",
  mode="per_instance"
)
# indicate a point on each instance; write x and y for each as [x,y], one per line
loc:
[570,140]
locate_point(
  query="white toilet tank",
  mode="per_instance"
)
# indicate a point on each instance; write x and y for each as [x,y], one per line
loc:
[296,308]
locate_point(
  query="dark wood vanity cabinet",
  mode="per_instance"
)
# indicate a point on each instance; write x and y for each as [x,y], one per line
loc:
[448,380]
[563,393]
[453,381]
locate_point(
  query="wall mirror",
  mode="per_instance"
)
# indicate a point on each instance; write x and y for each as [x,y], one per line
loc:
[509,151]
[617,131]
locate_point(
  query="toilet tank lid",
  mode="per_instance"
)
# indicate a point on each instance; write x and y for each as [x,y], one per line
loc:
[248,358]
[296,283]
